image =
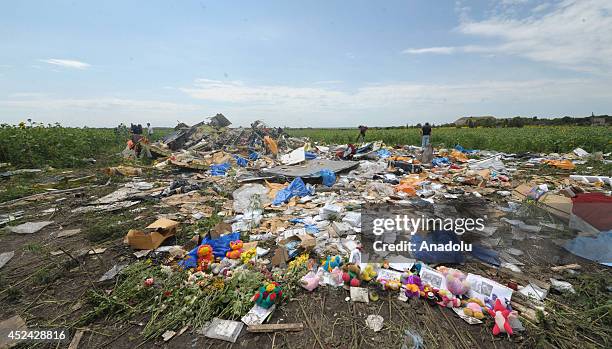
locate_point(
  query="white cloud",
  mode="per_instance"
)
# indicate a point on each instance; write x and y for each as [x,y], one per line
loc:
[438,50]
[574,34]
[67,63]
[95,103]
[387,104]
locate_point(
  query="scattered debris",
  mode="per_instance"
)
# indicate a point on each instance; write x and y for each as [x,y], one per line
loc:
[29,227]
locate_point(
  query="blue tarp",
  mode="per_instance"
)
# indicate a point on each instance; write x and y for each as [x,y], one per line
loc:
[220,169]
[296,188]
[242,162]
[253,155]
[437,237]
[466,151]
[597,249]
[329,177]
[220,247]
[440,162]
[383,153]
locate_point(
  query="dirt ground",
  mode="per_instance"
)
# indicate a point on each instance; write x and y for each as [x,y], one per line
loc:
[47,280]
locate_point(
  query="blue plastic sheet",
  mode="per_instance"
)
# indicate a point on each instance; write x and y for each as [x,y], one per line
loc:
[242,162]
[220,247]
[220,169]
[440,162]
[597,249]
[466,151]
[329,177]
[311,228]
[383,153]
[253,156]
[310,155]
[437,237]
[296,188]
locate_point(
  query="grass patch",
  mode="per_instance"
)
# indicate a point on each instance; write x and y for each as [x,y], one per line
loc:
[580,320]
[108,227]
[33,247]
[47,275]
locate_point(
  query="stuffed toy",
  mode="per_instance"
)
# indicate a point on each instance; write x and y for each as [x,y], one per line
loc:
[501,316]
[205,257]
[390,285]
[448,299]
[268,294]
[247,255]
[331,262]
[350,274]
[310,281]
[368,273]
[413,286]
[236,249]
[474,309]
[456,281]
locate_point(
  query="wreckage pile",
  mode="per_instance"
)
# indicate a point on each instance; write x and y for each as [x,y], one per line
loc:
[271,216]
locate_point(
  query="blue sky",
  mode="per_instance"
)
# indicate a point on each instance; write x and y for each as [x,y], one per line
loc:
[315,63]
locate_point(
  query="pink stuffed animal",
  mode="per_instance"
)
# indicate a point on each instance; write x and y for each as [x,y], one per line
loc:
[501,316]
[448,299]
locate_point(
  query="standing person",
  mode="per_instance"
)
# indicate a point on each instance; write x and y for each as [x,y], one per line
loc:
[362,133]
[425,135]
[149,130]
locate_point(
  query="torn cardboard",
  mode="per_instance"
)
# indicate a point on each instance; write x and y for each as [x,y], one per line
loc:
[155,235]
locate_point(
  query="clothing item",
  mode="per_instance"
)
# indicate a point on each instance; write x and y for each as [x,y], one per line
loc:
[424,141]
[426,130]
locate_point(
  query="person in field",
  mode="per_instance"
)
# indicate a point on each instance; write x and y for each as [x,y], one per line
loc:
[362,133]
[149,129]
[425,135]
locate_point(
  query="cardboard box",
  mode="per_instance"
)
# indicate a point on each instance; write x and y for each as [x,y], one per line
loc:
[156,233]
[558,205]
[281,254]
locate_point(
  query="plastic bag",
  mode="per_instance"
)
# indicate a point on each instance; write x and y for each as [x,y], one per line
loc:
[328,176]
[246,196]
[296,188]
[220,169]
[242,162]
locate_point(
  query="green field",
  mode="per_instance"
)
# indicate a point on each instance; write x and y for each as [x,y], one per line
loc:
[61,147]
[65,147]
[532,139]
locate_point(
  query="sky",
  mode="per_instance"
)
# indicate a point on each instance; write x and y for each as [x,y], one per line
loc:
[302,63]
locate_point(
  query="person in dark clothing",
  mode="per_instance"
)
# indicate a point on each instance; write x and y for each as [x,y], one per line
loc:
[425,135]
[362,133]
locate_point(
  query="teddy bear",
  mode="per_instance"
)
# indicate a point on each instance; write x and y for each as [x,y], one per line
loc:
[368,273]
[268,294]
[235,249]
[350,274]
[331,262]
[205,257]
[473,308]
